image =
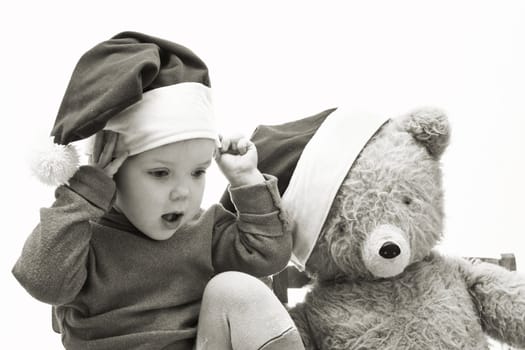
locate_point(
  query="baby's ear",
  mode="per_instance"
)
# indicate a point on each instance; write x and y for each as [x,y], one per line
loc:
[430,127]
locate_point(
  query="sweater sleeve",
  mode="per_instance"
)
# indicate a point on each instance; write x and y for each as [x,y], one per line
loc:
[53,264]
[255,240]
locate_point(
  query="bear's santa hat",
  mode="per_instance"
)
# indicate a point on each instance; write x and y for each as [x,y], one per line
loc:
[311,157]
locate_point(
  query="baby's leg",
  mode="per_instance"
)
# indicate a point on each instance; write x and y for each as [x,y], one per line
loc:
[240,312]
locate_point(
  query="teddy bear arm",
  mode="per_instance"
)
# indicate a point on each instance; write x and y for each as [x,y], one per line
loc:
[499,295]
[298,314]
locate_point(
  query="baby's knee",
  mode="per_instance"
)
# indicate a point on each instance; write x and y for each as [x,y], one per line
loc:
[234,287]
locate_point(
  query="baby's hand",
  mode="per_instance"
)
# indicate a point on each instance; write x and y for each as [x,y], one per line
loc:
[102,154]
[237,159]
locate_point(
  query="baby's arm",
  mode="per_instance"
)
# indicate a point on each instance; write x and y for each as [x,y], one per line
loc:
[53,263]
[255,241]
[52,266]
[500,298]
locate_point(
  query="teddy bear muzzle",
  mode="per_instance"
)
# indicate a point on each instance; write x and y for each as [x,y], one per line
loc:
[386,252]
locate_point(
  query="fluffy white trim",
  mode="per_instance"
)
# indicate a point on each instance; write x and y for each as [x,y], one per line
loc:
[164,115]
[54,164]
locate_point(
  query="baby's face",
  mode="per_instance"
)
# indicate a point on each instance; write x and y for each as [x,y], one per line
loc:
[161,189]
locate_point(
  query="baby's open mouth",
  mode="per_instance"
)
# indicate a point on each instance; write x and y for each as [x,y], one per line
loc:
[172,217]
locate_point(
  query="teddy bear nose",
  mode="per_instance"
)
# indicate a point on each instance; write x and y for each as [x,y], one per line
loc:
[389,250]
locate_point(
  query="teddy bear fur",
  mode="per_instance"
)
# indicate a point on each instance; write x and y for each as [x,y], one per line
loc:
[420,299]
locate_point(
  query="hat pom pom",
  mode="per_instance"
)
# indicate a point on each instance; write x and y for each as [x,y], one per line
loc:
[54,164]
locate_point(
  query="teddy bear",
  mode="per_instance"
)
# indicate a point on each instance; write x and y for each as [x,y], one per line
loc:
[365,204]
[378,280]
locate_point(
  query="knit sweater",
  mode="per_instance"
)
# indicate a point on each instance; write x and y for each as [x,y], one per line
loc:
[112,287]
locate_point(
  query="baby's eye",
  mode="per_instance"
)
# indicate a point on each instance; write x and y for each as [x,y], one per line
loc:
[159,172]
[406,200]
[199,173]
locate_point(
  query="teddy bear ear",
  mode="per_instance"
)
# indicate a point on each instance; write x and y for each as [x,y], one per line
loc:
[430,127]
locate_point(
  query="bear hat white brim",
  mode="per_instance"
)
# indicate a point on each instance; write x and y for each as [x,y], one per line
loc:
[323,165]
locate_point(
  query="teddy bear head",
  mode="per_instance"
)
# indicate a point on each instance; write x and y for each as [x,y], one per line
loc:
[388,212]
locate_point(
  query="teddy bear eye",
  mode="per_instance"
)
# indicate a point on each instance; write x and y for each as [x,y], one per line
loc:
[407,200]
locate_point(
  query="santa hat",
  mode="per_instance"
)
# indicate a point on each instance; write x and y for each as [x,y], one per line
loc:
[150,91]
[311,157]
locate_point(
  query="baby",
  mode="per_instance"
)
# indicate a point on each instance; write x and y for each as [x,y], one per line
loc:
[125,254]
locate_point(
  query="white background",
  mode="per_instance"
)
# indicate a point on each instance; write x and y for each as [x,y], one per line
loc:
[275,61]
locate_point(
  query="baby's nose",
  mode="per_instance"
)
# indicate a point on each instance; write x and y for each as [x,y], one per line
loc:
[179,192]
